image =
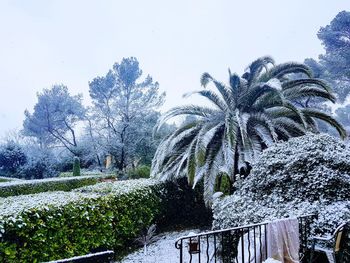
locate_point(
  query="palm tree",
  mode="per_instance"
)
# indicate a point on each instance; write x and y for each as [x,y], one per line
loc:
[247,115]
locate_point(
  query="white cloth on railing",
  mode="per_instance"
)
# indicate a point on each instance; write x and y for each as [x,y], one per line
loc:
[283,240]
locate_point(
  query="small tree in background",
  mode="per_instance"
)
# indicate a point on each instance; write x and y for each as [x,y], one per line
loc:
[76,166]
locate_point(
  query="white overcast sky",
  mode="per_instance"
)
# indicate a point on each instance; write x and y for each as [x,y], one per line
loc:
[72,41]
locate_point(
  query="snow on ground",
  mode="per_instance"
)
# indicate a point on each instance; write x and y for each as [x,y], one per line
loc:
[163,250]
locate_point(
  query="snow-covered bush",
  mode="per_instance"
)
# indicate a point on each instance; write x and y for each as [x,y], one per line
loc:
[119,187]
[13,206]
[25,187]
[308,174]
[41,163]
[8,179]
[142,171]
[27,161]
[12,157]
[54,225]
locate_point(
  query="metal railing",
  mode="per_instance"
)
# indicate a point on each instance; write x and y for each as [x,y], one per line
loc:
[239,244]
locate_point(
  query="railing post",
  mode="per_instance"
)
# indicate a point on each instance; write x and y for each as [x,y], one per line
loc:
[181,247]
[199,249]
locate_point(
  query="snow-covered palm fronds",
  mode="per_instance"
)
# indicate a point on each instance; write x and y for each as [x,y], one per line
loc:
[249,113]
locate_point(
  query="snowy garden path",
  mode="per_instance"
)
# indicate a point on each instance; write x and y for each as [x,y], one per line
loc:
[161,251]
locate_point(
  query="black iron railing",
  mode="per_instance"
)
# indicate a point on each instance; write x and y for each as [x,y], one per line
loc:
[239,244]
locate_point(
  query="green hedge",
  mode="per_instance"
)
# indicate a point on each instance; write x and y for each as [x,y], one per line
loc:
[24,187]
[2,180]
[91,221]
[8,179]
[109,215]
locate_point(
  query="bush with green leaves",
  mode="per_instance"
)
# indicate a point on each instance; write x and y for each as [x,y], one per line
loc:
[308,174]
[142,171]
[25,187]
[180,204]
[55,225]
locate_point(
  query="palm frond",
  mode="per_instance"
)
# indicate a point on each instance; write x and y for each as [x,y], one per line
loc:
[205,79]
[281,70]
[211,96]
[253,94]
[194,110]
[235,85]
[301,92]
[225,92]
[256,67]
[293,127]
[191,163]
[326,118]
[306,82]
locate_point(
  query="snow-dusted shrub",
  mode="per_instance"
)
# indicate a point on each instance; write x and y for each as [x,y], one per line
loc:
[25,187]
[119,187]
[41,163]
[12,157]
[8,179]
[54,225]
[308,174]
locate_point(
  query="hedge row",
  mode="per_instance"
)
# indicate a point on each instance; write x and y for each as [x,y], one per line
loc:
[56,225]
[8,179]
[25,187]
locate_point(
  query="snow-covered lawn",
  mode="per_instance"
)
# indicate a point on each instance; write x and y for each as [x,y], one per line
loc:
[163,250]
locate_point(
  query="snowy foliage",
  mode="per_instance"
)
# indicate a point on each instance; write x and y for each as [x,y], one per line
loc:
[119,187]
[309,174]
[55,117]
[41,181]
[8,179]
[12,157]
[13,206]
[34,226]
[124,113]
[27,160]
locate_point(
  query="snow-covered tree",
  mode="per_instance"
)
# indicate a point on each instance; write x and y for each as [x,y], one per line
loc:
[335,38]
[334,64]
[55,117]
[124,104]
[305,175]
